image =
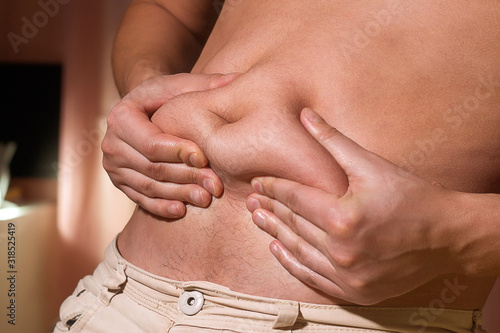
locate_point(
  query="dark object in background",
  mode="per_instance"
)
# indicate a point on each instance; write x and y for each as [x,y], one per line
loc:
[30,102]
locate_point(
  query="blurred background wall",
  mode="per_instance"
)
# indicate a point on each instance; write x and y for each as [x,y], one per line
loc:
[69,219]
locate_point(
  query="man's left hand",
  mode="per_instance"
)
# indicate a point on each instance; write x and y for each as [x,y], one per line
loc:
[387,235]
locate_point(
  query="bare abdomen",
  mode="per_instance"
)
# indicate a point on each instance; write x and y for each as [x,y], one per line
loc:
[388,95]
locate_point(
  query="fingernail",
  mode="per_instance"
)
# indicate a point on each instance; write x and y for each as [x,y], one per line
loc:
[259,219]
[253,204]
[257,186]
[174,210]
[196,197]
[209,185]
[224,80]
[274,249]
[312,116]
[195,160]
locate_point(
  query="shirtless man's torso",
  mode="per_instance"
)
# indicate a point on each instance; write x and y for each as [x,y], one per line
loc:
[417,83]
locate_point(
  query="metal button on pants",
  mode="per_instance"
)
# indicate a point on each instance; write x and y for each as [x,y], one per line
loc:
[191,302]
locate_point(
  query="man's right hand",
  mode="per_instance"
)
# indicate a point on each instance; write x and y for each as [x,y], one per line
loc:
[158,171]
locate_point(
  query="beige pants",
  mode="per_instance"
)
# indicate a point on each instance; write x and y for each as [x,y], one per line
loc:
[121,297]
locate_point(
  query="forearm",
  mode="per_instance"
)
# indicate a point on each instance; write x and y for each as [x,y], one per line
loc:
[159,37]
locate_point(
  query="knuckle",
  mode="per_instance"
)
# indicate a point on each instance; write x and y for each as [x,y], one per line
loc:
[156,171]
[344,259]
[195,176]
[293,218]
[148,186]
[268,204]
[346,224]
[300,251]
[150,148]
[107,147]
[274,230]
[328,135]
[292,199]
[360,285]
[115,115]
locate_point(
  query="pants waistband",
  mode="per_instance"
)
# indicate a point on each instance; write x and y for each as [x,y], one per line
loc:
[156,292]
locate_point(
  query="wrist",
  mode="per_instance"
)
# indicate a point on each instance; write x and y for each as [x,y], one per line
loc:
[447,229]
[475,237]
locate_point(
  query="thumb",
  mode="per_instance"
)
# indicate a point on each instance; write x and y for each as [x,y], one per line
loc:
[349,155]
[151,94]
[182,83]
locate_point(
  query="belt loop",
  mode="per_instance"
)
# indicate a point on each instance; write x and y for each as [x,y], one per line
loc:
[287,315]
[113,285]
[477,317]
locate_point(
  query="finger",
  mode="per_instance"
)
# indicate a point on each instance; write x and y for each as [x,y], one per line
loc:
[153,93]
[321,211]
[271,209]
[151,188]
[197,82]
[304,273]
[163,147]
[130,117]
[310,254]
[170,209]
[352,157]
[136,129]
[172,172]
